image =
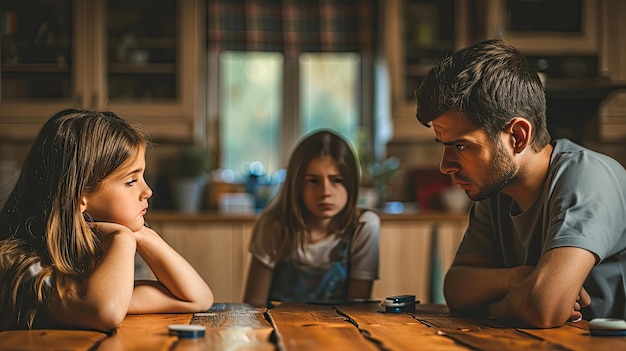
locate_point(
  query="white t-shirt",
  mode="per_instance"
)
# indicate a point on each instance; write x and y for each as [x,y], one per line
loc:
[364,252]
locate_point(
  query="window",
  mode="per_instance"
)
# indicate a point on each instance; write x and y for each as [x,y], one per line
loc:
[329,93]
[251,99]
[284,69]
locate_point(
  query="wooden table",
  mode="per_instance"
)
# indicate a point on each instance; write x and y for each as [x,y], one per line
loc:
[317,327]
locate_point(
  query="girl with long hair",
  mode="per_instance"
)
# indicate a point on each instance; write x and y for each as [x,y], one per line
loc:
[71,226]
[313,243]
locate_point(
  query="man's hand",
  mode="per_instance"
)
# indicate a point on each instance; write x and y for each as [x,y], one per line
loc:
[582,301]
[552,294]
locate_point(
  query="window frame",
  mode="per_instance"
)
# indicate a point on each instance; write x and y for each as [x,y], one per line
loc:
[289,126]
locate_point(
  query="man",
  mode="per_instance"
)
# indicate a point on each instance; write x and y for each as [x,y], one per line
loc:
[546,239]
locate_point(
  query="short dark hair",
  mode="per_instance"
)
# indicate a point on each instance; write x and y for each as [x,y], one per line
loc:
[490,83]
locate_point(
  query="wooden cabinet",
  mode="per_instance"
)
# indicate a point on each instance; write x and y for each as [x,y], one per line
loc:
[612,115]
[218,251]
[414,256]
[545,27]
[567,40]
[417,34]
[139,59]
[414,253]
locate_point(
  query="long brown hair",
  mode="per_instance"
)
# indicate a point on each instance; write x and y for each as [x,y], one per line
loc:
[41,223]
[288,206]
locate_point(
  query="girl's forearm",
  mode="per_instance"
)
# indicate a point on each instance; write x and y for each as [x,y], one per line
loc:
[102,300]
[258,283]
[173,271]
[113,279]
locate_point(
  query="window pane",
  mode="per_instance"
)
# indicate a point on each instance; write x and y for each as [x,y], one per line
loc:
[250,108]
[329,89]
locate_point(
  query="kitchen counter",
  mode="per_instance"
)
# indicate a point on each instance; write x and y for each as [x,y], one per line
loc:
[172,216]
[415,249]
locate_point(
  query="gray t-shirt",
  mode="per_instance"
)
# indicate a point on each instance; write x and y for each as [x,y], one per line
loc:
[583,204]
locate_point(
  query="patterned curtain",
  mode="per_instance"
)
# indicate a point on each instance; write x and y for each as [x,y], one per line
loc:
[292,26]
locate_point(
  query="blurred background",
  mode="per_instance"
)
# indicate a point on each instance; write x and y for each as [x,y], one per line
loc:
[242,81]
[226,89]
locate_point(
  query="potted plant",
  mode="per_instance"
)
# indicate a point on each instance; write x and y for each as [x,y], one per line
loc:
[375,174]
[380,173]
[190,175]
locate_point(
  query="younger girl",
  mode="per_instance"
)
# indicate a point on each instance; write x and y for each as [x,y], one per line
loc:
[71,226]
[313,244]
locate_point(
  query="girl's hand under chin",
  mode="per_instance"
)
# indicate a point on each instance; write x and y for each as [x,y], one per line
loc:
[143,233]
[107,231]
[109,228]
